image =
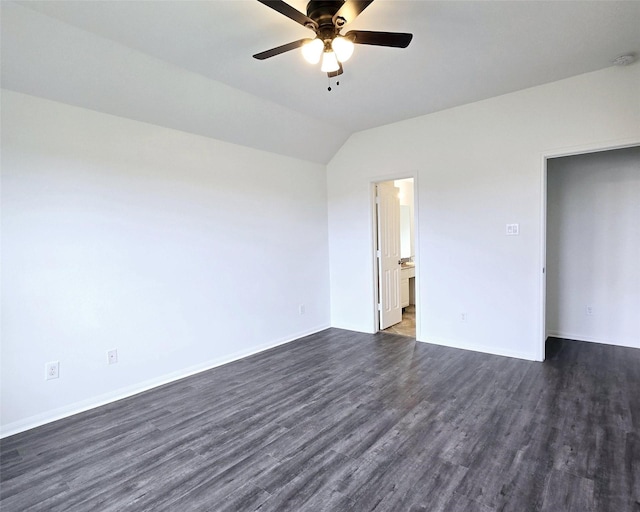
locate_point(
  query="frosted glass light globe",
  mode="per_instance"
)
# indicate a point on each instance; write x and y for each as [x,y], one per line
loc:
[343,48]
[329,62]
[312,50]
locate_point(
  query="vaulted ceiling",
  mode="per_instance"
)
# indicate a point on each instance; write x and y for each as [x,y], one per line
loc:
[188,64]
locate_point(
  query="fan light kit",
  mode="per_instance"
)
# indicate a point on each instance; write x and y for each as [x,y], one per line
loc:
[327,18]
[333,53]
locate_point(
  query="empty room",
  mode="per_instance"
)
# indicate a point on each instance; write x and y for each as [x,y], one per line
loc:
[320,256]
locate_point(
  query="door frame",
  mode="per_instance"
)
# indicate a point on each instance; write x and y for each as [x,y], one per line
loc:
[374,243]
[558,153]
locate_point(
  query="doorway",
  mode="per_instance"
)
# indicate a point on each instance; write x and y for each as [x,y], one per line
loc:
[590,281]
[395,256]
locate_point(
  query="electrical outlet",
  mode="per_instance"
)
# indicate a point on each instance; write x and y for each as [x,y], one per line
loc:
[588,310]
[112,355]
[463,317]
[52,370]
[301,309]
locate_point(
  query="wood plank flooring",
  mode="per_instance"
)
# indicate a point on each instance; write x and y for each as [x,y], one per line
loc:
[343,421]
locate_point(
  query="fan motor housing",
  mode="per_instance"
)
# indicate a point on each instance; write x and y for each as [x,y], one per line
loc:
[323,11]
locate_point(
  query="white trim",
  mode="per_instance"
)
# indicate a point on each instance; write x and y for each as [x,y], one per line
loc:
[353,328]
[416,256]
[126,392]
[590,339]
[542,267]
[592,148]
[485,349]
[373,236]
[546,155]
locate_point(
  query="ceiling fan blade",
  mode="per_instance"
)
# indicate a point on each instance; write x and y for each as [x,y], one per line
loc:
[394,39]
[280,49]
[289,12]
[351,9]
[333,74]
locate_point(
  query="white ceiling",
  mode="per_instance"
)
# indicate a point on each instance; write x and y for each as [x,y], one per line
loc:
[188,65]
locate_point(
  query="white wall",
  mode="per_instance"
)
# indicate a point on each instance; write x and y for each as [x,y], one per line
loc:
[178,250]
[479,167]
[593,247]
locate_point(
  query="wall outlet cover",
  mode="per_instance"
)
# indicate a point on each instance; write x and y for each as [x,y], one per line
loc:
[52,370]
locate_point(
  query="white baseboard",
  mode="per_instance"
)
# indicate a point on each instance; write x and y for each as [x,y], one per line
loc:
[591,339]
[353,328]
[496,351]
[125,392]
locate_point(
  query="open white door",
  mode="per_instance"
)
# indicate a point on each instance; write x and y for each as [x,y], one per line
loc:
[388,254]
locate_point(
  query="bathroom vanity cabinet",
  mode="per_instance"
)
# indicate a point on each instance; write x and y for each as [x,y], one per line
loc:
[407,279]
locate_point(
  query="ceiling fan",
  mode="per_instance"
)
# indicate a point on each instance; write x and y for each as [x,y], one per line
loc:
[327,18]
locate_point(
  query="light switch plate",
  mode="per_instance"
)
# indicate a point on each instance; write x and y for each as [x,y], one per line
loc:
[513,229]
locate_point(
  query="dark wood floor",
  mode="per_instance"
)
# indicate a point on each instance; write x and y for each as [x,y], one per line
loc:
[346,421]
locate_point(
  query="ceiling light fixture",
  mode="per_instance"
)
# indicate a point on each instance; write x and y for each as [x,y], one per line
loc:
[343,47]
[312,50]
[326,19]
[332,52]
[329,62]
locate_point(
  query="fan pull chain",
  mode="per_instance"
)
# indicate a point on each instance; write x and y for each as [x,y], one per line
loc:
[329,81]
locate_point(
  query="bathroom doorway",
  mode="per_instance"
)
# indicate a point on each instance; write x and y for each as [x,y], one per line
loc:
[395,243]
